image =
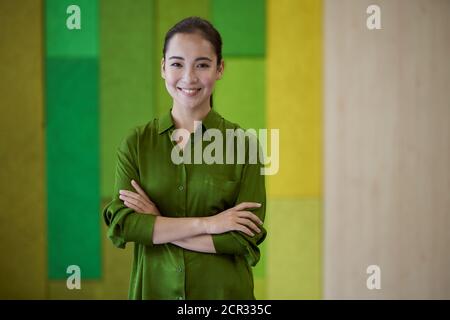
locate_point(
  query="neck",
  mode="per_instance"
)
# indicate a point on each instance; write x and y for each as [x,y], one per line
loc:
[184,117]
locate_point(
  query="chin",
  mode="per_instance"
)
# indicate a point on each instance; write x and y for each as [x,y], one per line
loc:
[192,105]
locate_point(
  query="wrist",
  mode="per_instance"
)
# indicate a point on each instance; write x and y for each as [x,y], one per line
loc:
[204,225]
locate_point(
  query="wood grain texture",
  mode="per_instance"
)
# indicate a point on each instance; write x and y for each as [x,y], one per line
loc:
[387,150]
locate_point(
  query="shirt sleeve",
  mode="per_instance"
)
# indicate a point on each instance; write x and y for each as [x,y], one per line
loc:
[252,189]
[124,224]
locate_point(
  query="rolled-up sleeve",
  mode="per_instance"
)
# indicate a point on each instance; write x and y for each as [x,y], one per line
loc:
[124,224]
[252,189]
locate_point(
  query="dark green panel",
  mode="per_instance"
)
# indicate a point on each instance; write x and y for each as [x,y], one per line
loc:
[127,71]
[169,13]
[62,42]
[72,140]
[242,25]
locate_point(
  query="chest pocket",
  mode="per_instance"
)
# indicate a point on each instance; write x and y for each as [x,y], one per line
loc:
[213,194]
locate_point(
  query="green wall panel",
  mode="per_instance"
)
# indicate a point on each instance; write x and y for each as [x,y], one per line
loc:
[240,95]
[73,166]
[242,26]
[127,72]
[294,259]
[63,42]
[169,13]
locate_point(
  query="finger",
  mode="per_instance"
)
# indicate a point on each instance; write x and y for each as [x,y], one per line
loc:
[138,188]
[247,205]
[140,208]
[250,215]
[134,195]
[132,206]
[130,194]
[245,230]
[249,224]
[136,202]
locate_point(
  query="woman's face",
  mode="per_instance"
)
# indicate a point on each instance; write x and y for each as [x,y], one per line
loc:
[190,70]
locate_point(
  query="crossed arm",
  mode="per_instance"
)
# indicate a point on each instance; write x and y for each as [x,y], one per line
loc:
[192,233]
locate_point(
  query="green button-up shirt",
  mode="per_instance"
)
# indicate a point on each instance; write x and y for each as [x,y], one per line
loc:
[167,271]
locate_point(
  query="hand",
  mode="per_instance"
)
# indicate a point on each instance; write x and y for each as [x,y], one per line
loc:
[139,201]
[235,218]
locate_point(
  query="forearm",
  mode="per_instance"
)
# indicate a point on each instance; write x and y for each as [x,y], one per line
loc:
[199,243]
[168,230]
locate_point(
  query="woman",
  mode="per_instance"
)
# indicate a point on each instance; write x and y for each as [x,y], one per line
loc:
[196,226]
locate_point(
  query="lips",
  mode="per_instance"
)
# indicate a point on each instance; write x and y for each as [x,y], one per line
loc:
[190,92]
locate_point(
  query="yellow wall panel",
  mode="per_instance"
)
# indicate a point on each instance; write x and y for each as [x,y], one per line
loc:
[22,219]
[294,90]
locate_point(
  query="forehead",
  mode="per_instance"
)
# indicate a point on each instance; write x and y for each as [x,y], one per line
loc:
[189,45]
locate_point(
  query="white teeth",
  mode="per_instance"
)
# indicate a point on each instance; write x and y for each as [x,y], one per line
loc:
[189,91]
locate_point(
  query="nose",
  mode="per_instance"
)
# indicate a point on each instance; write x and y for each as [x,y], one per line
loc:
[190,76]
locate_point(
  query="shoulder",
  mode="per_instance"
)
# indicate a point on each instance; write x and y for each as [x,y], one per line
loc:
[250,134]
[246,137]
[225,124]
[135,135]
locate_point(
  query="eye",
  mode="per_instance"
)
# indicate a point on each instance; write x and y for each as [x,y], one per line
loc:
[176,64]
[203,65]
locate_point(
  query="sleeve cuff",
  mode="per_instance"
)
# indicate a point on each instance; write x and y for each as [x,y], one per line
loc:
[139,228]
[225,243]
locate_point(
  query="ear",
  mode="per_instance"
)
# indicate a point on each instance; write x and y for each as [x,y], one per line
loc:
[163,65]
[220,70]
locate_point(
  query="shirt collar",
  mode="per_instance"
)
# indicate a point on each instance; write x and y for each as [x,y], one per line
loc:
[165,122]
[212,120]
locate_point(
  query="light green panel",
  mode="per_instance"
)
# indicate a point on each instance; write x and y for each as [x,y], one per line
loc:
[127,70]
[23,234]
[169,13]
[240,95]
[260,288]
[259,272]
[64,42]
[241,24]
[294,258]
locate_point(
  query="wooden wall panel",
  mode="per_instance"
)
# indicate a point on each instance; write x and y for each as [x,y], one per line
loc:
[387,150]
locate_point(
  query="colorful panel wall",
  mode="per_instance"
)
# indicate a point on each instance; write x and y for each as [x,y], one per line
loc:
[101,80]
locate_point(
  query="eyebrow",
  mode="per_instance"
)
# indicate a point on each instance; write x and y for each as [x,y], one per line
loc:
[197,59]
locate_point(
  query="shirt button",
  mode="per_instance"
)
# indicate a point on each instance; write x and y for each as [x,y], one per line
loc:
[179,269]
[180,298]
[180,188]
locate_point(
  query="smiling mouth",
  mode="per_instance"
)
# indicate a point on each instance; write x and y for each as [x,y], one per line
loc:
[189,91]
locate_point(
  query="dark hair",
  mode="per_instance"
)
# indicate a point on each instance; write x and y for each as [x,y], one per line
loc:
[201,26]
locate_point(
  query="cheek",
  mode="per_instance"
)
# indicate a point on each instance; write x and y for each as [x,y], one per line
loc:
[208,81]
[171,77]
